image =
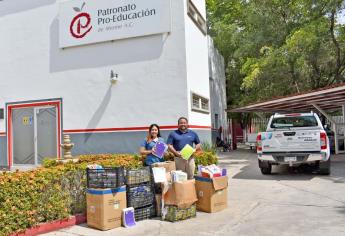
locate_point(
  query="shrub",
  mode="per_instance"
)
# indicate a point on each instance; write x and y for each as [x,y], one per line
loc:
[169,156]
[49,193]
[29,198]
[205,158]
[208,147]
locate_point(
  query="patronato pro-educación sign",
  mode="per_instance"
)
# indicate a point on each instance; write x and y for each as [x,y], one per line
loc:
[85,22]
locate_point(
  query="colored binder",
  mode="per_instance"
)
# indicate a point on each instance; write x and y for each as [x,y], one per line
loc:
[187,151]
[128,217]
[160,149]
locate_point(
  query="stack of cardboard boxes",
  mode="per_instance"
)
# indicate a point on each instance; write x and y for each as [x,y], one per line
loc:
[169,166]
[178,194]
[179,199]
[105,205]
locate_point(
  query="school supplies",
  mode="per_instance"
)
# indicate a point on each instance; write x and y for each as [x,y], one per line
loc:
[187,151]
[178,176]
[159,174]
[159,149]
[128,217]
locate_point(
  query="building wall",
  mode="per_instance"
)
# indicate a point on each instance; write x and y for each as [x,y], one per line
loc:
[118,142]
[151,68]
[197,64]
[153,87]
[3,159]
[217,88]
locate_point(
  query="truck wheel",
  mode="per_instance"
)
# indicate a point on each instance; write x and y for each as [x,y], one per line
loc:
[266,170]
[325,167]
[265,167]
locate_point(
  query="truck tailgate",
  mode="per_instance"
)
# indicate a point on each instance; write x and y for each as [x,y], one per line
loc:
[291,141]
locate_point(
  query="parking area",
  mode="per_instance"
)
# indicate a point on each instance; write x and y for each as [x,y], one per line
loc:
[284,203]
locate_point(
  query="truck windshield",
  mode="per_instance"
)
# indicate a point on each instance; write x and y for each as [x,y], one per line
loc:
[294,121]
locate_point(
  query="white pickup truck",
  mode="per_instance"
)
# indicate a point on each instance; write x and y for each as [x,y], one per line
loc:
[294,139]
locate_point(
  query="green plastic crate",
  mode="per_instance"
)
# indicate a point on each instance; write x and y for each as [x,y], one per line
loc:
[173,213]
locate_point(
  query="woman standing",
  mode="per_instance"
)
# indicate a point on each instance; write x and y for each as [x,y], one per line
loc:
[147,146]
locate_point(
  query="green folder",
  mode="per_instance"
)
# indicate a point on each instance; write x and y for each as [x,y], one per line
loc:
[187,151]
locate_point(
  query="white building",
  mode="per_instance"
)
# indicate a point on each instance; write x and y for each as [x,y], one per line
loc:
[218,103]
[58,58]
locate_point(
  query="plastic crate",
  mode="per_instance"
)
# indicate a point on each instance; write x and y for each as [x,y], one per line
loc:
[140,195]
[108,177]
[138,176]
[144,213]
[173,213]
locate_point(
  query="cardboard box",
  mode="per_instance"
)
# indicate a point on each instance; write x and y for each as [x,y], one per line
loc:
[181,194]
[212,193]
[104,207]
[168,165]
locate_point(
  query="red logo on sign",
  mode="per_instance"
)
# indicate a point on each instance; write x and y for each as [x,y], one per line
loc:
[81,24]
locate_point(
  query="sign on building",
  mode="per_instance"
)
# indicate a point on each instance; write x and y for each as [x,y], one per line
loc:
[89,21]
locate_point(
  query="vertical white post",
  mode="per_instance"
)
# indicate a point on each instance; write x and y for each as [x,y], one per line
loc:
[334,128]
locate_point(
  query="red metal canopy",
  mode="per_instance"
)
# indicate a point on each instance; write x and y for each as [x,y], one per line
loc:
[327,98]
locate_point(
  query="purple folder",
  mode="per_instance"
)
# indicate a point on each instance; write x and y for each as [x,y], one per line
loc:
[160,149]
[128,217]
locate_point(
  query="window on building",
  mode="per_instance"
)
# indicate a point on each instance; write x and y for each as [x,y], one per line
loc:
[1,113]
[200,103]
[196,17]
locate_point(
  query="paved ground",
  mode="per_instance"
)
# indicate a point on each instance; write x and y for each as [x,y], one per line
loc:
[285,203]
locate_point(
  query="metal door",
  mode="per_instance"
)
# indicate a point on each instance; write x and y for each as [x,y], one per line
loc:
[23,136]
[34,135]
[46,141]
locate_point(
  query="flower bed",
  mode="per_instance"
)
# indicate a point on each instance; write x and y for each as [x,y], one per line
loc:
[49,193]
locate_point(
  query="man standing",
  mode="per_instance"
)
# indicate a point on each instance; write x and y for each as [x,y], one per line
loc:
[176,142]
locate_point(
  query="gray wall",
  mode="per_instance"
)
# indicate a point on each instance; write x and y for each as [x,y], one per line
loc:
[217,88]
[119,142]
[3,151]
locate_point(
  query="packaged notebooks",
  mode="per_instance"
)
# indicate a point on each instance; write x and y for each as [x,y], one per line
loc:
[159,174]
[160,149]
[187,151]
[128,218]
[178,176]
[173,213]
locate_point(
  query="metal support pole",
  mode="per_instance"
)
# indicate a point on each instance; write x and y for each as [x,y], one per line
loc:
[260,115]
[334,125]
[323,113]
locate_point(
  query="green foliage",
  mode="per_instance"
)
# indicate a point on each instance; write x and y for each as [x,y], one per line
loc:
[29,198]
[205,158]
[275,48]
[49,193]
[49,163]
[209,147]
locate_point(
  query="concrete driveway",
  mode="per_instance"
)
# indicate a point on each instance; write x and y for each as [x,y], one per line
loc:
[284,203]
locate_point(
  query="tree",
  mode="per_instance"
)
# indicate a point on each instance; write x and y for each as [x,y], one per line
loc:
[277,47]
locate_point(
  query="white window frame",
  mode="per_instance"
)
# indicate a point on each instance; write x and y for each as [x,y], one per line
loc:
[196,17]
[199,108]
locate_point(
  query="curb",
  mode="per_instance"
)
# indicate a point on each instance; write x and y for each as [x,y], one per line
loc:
[53,226]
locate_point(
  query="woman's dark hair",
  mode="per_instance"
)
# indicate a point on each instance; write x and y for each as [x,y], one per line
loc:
[149,138]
